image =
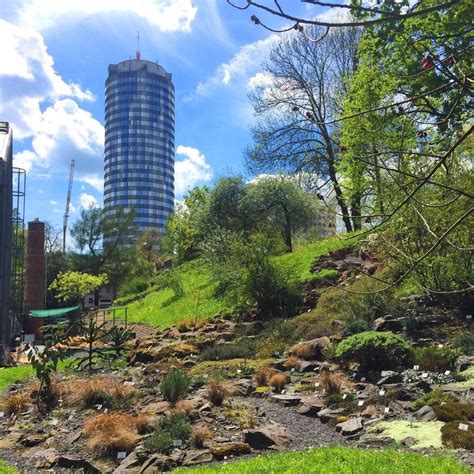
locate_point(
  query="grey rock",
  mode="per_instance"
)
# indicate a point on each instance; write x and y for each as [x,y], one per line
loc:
[328,414]
[463,362]
[425,413]
[350,427]
[409,441]
[310,406]
[286,400]
[271,435]
[197,456]
[71,463]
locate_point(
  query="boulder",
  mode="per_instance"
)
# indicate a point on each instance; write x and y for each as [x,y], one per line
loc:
[310,406]
[197,456]
[389,323]
[240,387]
[307,366]
[328,414]
[368,441]
[370,411]
[463,362]
[156,408]
[67,462]
[271,435]
[319,347]
[390,377]
[286,400]
[425,413]
[350,427]
[33,440]
[221,450]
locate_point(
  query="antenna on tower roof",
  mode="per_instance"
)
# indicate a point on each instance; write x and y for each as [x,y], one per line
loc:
[138,46]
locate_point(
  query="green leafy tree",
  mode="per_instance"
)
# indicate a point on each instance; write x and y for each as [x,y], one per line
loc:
[74,286]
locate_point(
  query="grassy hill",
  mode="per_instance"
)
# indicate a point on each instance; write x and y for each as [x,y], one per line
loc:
[160,309]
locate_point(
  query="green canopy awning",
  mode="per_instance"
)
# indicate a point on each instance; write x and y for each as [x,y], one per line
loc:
[53,313]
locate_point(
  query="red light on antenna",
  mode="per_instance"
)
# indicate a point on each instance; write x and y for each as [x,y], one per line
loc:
[138,56]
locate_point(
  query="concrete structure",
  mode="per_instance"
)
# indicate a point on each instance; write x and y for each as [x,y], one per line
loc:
[139,142]
[6,145]
[35,276]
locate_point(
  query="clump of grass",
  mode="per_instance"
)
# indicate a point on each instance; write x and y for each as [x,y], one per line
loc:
[15,403]
[455,438]
[455,411]
[144,424]
[303,351]
[433,398]
[263,375]
[199,435]
[184,406]
[243,349]
[436,359]
[174,386]
[98,391]
[241,415]
[216,393]
[331,382]
[278,382]
[109,433]
[172,427]
[291,362]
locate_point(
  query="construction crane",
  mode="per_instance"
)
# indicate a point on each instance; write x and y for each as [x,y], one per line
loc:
[68,202]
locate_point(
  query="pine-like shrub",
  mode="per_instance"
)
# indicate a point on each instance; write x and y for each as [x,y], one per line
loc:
[174,386]
[376,350]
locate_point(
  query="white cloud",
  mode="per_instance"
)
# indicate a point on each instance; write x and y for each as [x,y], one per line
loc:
[166,15]
[191,170]
[87,201]
[67,132]
[28,79]
[261,79]
[53,203]
[245,63]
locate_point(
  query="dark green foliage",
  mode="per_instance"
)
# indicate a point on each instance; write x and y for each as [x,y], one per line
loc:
[455,438]
[455,411]
[465,343]
[173,427]
[45,363]
[433,398]
[376,350]
[174,386]
[243,349]
[338,398]
[177,425]
[435,359]
[117,337]
[134,285]
[159,442]
[92,332]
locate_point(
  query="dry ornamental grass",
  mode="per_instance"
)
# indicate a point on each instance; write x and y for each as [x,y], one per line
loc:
[200,435]
[15,403]
[330,382]
[278,382]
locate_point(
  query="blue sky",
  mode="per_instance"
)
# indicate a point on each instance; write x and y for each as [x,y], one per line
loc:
[54,60]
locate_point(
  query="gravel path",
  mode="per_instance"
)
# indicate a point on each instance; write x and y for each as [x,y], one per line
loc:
[308,431]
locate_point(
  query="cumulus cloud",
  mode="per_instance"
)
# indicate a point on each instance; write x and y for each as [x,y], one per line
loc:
[67,132]
[87,201]
[167,15]
[28,79]
[244,64]
[191,170]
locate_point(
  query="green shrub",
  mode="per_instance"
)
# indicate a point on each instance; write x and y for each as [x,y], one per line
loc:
[376,350]
[172,280]
[433,398]
[465,343]
[177,425]
[435,359]
[455,411]
[159,442]
[133,286]
[243,349]
[455,438]
[174,386]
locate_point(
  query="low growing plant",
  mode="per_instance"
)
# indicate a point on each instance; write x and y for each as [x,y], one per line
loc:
[243,349]
[455,411]
[465,343]
[455,438]
[433,398]
[216,393]
[376,351]
[331,382]
[15,403]
[278,382]
[174,386]
[436,359]
[200,435]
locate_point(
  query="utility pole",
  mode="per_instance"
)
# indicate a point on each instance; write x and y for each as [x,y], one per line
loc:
[68,202]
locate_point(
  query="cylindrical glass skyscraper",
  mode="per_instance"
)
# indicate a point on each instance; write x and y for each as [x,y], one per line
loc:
[139,142]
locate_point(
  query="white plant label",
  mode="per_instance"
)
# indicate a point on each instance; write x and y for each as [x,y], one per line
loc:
[447,372]
[344,396]
[416,367]
[177,443]
[316,385]
[387,410]
[463,427]
[361,403]
[99,407]
[363,379]
[440,346]
[382,393]
[424,375]
[121,455]
[469,316]
[2,414]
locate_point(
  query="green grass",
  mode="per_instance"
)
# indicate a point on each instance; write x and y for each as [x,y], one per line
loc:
[9,375]
[6,468]
[160,309]
[468,374]
[338,460]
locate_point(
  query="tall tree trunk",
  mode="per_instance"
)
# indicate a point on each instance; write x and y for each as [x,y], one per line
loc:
[356,212]
[339,197]
[287,230]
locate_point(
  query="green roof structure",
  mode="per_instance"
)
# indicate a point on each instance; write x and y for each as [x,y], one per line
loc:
[53,313]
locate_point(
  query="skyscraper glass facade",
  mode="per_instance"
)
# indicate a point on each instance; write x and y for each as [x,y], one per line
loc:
[139,142]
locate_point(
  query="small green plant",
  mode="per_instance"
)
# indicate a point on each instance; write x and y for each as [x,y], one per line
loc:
[455,411]
[436,359]
[243,349]
[173,427]
[172,280]
[45,364]
[135,285]
[118,337]
[174,386]
[376,350]
[92,332]
[465,343]
[433,398]
[455,438]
